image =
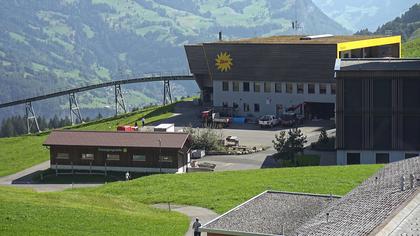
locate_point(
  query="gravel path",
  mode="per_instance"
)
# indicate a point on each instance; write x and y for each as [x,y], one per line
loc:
[204,214]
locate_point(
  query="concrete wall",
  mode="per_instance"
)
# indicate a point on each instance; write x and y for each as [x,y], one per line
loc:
[267,101]
[369,157]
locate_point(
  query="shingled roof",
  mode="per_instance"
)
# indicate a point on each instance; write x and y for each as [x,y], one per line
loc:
[363,211]
[117,139]
[270,213]
[367,206]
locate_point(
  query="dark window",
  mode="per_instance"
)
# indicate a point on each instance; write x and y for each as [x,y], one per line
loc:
[112,157]
[382,158]
[382,132]
[311,88]
[322,89]
[235,105]
[62,155]
[352,95]
[382,95]
[267,87]
[411,95]
[225,86]
[165,159]
[88,156]
[411,155]
[352,132]
[333,88]
[257,87]
[246,86]
[235,86]
[277,87]
[411,132]
[299,88]
[353,158]
[289,88]
[139,157]
[246,107]
[257,107]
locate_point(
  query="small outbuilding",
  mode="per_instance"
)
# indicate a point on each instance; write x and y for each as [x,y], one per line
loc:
[151,152]
[165,128]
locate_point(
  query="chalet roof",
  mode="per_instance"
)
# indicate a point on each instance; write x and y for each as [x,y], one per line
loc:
[117,139]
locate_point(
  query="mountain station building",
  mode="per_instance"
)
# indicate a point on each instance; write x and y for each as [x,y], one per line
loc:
[150,152]
[378,110]
[270,75]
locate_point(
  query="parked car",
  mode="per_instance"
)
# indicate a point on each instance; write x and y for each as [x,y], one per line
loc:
[291,119]
[268,121]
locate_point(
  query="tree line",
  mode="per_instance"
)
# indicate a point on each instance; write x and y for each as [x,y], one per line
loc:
[16,125]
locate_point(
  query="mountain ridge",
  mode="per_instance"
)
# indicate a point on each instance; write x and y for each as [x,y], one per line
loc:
[50,45]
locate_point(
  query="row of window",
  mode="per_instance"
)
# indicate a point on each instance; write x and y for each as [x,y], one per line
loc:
[381,158]
[111,157]
[289,87]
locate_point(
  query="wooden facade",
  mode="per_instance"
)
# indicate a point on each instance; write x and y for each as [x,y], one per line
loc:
[120,158]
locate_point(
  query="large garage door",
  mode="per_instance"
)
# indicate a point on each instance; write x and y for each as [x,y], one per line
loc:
[319,110]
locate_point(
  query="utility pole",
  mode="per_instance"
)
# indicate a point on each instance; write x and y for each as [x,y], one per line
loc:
[160,162]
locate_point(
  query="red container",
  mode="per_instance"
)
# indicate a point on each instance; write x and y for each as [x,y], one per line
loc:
[125,128]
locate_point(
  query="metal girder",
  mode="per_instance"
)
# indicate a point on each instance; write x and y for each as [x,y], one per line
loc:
[30,118]
[167,96]
[145,78]
[119,99]
[75,114]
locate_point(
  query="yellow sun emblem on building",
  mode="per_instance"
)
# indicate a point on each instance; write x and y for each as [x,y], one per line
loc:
[224,61]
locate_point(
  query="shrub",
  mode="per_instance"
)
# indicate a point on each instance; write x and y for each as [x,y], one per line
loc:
[206,139]
[288,147]
[323,137]
[324,142]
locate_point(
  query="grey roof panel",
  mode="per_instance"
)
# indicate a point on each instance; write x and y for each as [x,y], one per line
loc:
[367,206]
[270,212]
[377,64]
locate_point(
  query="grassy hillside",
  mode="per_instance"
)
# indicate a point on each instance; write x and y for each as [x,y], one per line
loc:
[19,153]
[22,152]
[24,212]
[222,190]
[121,208]
[411,48]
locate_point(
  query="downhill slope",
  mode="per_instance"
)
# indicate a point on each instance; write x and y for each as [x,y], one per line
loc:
[24,212]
